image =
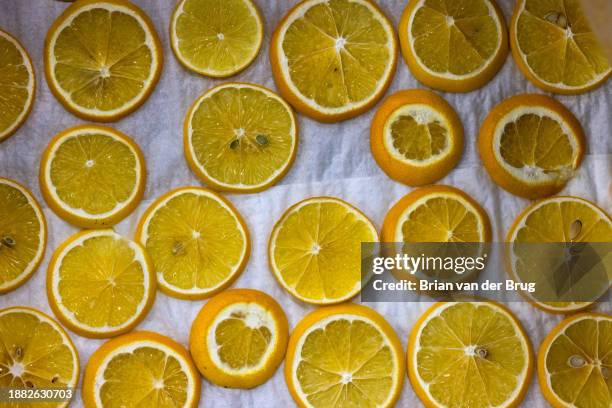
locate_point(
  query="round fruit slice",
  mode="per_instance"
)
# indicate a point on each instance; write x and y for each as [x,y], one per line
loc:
[416,137]
[344,356]
[23,235]
[141,369]
[315,249]
[217,39]
[436,214]
[17,85]
[570,220]
[240,137]
[92,176]
[197,240]
[575,362]
[36,353]
[553,45]
[100,284]
[474,355]
[453,45]
[333,60]
[531,145]
[102,58]
[239,338]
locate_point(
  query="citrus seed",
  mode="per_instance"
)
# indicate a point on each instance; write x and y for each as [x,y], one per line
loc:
[262,140]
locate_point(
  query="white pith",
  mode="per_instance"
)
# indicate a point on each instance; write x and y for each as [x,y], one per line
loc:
[533,175]
[423,114]
[256,316]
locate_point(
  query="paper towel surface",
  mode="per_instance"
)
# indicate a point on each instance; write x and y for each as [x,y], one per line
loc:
[332,159]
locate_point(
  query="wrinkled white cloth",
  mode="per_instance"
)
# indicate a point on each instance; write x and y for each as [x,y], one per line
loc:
[332,159]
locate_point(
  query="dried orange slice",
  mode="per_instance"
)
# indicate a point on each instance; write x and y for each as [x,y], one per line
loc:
[239,338]
[531,145]
[416,137]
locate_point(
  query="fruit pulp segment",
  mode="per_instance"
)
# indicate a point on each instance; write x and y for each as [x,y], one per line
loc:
[456,37]
[470,353]
[242,136]
[194,242]
[418,141]
[103,59]
[101,282]
[19,233]
[93,172]
[337,53]
[346,363]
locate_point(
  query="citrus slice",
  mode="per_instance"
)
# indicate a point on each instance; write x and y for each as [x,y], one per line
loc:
[240,137]
[92,176]
[344,356]
[17,85]
[315,249]
[36,353]
[553,45]
[453,45]
[550,221]
[102,58]
[466,354]
[416,137]
[531,145]
[333,60]
[141,369]
[217,39]
[197,240]
[575,362]
[239,338]
[100,284]
[436,214]
[23,235]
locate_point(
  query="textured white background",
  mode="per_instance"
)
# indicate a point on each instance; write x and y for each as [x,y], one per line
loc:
[332,160]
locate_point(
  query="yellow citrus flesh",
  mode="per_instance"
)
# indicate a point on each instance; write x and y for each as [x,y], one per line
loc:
[333,59]
[197,240]
[216,39]
[36,353]
[141,369]
[102,58]
[554,220]
[23,235]
[344,356]
[469,354]
[453,45]
[240,137]
[92,176]
[16,85]
[100,284]
[239,338]
[416,137]
[315,249]
[575,362]
[436,214]
[531,145]
[554,46]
